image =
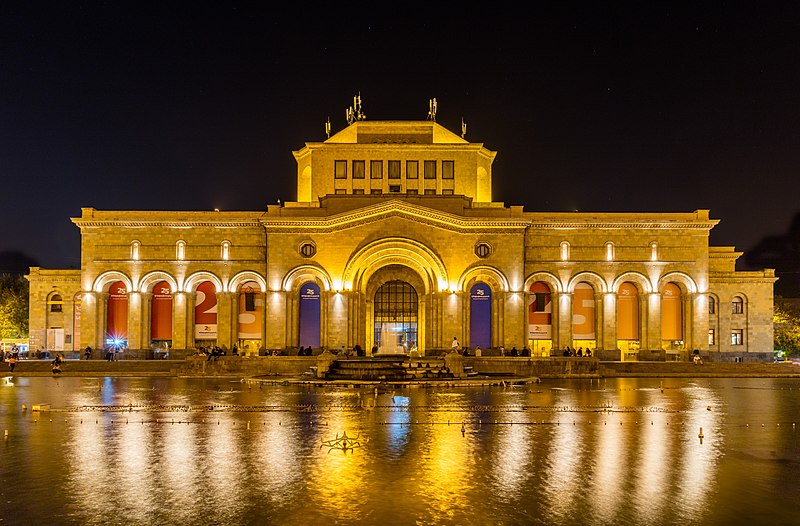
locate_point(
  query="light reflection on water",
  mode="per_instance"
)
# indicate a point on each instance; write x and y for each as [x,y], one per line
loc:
[561,452]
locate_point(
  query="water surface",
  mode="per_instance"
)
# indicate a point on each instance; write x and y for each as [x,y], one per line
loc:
[221,451]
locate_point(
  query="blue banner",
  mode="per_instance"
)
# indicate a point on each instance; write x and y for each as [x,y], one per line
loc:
[309,315]
[480,316]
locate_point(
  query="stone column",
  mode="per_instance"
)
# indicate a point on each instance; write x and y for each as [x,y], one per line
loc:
[696,314]
[599,319]
[147,311]
[89,308]
[324,305]
[226,328]
[563,306]
[183,320]
[653,326]
[102,319]
[609,321]
[422,317]
[134,321]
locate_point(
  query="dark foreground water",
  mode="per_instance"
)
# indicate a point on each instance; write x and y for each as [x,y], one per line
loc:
[216,451]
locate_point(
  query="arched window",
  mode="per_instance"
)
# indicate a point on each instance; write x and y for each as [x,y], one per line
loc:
[226,250]
[737,305]
[564,251]
[712,305]
[653,251]
[610,251]
[180,250]
[135,250]
[56,303]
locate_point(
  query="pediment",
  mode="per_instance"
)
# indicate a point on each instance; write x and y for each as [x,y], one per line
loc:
[393,209]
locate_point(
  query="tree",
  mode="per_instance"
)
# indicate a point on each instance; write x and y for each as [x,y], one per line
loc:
[13,306]
[786,325]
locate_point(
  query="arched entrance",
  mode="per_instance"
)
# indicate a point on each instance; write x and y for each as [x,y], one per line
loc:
[205,315]
[480,317]
[628,318]
[540,319]
[250,317]
[395,319]
[309,329]
[161,317]
[117,316]
[583,317]
[671,318]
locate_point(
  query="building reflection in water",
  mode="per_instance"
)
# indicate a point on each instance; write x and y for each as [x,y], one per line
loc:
[638,462]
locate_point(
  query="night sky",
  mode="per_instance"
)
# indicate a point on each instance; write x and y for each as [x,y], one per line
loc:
[639,107]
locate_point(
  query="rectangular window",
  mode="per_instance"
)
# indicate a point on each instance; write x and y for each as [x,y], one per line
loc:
[359,169]
[340,191]
[412,192]
[712,340]
[540,302]
[394,169]
[430,169]
[737,307]
[249,301]
[376,191]
[447,191]
[448,169]
[430,191]
[394,187]
[737,337]
[358,191]
[340,169]
[376,169]
[412,169]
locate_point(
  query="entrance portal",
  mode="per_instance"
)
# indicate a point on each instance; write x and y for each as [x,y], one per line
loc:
[395,327]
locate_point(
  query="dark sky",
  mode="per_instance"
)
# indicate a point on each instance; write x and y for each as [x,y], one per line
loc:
[628,107]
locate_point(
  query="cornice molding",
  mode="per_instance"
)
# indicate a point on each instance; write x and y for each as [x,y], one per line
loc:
[92,223]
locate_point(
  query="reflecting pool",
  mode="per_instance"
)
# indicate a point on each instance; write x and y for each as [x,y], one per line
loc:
[221,451]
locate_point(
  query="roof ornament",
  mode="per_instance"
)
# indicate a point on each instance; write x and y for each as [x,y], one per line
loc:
[328,127]
[353,113]
[463,128]
[432,109]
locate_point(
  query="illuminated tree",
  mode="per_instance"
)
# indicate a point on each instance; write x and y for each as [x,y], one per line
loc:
[786,325]
[13,306]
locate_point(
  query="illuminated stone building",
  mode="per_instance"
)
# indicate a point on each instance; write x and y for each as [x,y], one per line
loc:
[395,239]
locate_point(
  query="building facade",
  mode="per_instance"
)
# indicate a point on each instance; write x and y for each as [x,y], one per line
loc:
[394,241]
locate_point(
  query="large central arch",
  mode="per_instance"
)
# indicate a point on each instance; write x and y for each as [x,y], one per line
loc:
[395,251]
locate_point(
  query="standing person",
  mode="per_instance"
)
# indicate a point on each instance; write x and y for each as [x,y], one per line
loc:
[12,362]
[88,352]
[455,345]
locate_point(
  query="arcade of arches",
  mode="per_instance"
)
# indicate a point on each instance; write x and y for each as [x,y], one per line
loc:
[398,311]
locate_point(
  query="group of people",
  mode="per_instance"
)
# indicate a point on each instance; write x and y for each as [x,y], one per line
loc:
[579,352]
